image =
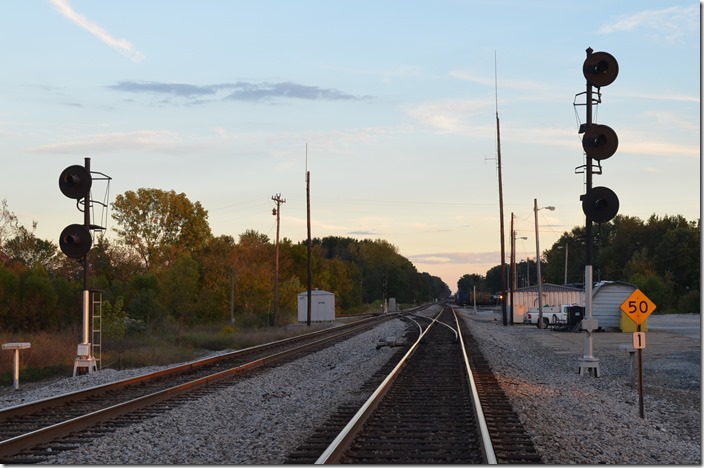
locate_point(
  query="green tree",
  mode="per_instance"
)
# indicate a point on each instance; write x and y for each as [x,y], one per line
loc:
[31,251]
[114,319]
[217,266]
[8,223]
[159,225]
[143,299]
[180,290]
[570,247]
[254,267]
[38,300]
[493,279]
[9,298]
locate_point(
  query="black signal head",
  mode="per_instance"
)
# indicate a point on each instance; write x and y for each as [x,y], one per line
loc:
[75,182]
[600,69]
[599,142]
[600,204]
[75,241]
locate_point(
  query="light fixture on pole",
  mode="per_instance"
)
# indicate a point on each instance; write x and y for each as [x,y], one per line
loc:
[537,261]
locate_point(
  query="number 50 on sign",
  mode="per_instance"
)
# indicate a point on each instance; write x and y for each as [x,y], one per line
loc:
[638,307]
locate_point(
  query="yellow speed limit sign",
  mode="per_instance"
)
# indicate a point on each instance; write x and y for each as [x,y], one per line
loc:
[638,307]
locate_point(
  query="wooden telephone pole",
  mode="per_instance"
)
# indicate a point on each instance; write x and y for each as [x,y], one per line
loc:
[277,212]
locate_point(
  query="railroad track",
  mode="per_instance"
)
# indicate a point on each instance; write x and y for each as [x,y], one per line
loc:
[431,408]
[27,431]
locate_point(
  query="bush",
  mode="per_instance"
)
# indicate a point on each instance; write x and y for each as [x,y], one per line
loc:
[689,303]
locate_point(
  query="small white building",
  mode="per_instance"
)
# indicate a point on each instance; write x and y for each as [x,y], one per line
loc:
[553,295]
[322,306]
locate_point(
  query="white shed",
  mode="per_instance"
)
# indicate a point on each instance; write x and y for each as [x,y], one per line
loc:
[322,307]
[607,298]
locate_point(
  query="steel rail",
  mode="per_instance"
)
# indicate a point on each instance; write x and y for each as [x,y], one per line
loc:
[340,444]
[337,447]
[52,402]
[487,445]
[12,446]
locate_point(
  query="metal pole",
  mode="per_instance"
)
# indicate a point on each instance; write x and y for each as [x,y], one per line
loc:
[588,360]
[86,266]
[501,226]
[567,251]
[310,263]
[232,297]
[501,199]
[16,369]
[474,295]
[537,261]
[527,271]
[640,380]
[512,271]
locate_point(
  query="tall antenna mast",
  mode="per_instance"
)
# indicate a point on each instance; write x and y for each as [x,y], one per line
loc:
[496,87]
[501,202]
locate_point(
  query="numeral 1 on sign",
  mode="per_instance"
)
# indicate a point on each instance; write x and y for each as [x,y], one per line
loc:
[639,340]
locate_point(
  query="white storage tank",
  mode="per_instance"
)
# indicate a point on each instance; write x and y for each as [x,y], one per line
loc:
[607,298]
[322,307]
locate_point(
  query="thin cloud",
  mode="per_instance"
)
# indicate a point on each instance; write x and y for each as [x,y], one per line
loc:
[443,258]
[448,116]
[121,45]
[174,89]
[237,91]
[486,80]
[155,141]
[363,233]
[264,91]
[668,24]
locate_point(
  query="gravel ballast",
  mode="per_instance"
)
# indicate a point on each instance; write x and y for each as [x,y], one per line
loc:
[573,419]
[581,419]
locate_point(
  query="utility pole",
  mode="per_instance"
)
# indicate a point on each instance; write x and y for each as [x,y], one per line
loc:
[232,297]
[277,212]
[308,244]
[501,206]
[512,270]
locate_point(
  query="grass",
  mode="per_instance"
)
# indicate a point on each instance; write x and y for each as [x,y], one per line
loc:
[52,353]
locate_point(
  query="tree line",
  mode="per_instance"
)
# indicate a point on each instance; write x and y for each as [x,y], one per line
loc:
[166,265]
[660,256]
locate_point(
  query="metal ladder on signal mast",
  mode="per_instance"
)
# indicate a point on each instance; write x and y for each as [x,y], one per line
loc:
[97,325]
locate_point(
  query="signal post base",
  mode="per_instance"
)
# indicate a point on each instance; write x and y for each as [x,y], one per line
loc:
[85,362]
[590,365]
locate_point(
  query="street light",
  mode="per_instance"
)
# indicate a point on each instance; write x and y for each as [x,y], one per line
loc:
[537,260]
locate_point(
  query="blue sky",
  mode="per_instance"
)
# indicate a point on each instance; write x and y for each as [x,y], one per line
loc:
[395,101]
